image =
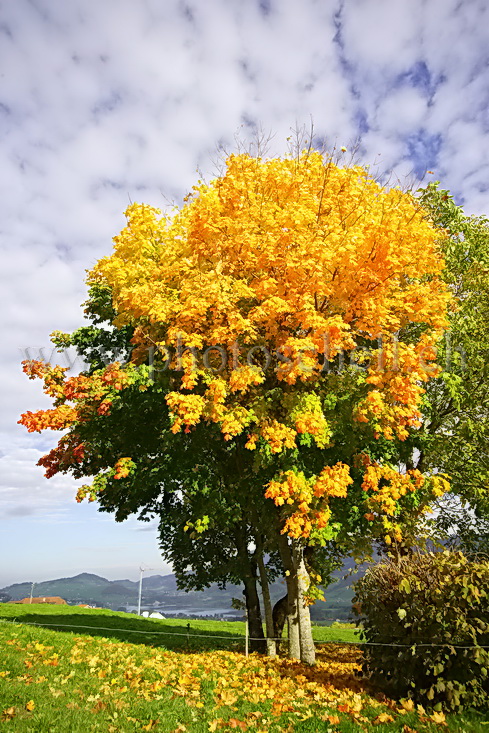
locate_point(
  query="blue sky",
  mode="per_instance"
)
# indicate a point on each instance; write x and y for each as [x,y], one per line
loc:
[102,103]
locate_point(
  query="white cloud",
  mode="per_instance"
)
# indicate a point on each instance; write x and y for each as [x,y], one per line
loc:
[403,110]
[23,490]
[381,38]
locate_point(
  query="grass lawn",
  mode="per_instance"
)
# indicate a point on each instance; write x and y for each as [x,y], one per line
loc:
[87,670]
[176,634]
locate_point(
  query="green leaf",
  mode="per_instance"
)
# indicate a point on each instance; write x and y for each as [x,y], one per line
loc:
[405,586]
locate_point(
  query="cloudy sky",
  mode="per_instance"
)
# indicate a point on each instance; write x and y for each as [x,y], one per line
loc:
[103,103]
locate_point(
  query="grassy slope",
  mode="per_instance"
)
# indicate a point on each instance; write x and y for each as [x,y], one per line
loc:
[169,633]
[87,679]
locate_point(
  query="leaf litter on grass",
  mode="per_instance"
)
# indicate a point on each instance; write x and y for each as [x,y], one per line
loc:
[224,689]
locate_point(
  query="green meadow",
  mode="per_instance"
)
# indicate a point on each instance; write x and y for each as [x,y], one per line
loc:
[71,670]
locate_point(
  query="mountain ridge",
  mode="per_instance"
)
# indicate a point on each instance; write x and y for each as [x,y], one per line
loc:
[160,592]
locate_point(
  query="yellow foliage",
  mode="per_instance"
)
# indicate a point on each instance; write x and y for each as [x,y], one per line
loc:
[385,486]
[333,481]
[292,259]
[287,254]
[308,497]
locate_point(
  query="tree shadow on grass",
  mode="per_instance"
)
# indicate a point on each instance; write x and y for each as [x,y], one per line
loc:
[136,630]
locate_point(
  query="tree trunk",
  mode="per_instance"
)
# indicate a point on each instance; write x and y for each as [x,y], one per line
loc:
[308,651]
[301,645]
[279,615]
[293,620]
[255,623]
[292,611]
[267,603]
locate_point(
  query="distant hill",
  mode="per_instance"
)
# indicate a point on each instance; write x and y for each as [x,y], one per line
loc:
[160,592]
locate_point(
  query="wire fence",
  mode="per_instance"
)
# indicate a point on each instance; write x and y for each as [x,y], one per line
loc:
[241,637]
[124,630]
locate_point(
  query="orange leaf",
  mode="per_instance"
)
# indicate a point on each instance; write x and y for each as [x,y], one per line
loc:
[235,723]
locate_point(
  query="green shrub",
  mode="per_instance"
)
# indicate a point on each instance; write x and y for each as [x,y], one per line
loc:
[435,608]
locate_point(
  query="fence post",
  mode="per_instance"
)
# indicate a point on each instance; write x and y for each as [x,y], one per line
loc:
[246,633]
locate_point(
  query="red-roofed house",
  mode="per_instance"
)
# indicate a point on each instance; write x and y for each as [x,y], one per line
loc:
[53,600]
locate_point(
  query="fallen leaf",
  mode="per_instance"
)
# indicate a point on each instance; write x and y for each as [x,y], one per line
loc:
[98,707]
[24,678]
[279,708]
[151,725]
[227,697]
[438,718]
[8,714]
[255,715]
[304,716]
[30,705]
[383,718]
[235,723]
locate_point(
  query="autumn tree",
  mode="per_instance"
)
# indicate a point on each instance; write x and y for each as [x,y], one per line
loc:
[212,533]
[180,481]
[295,306]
